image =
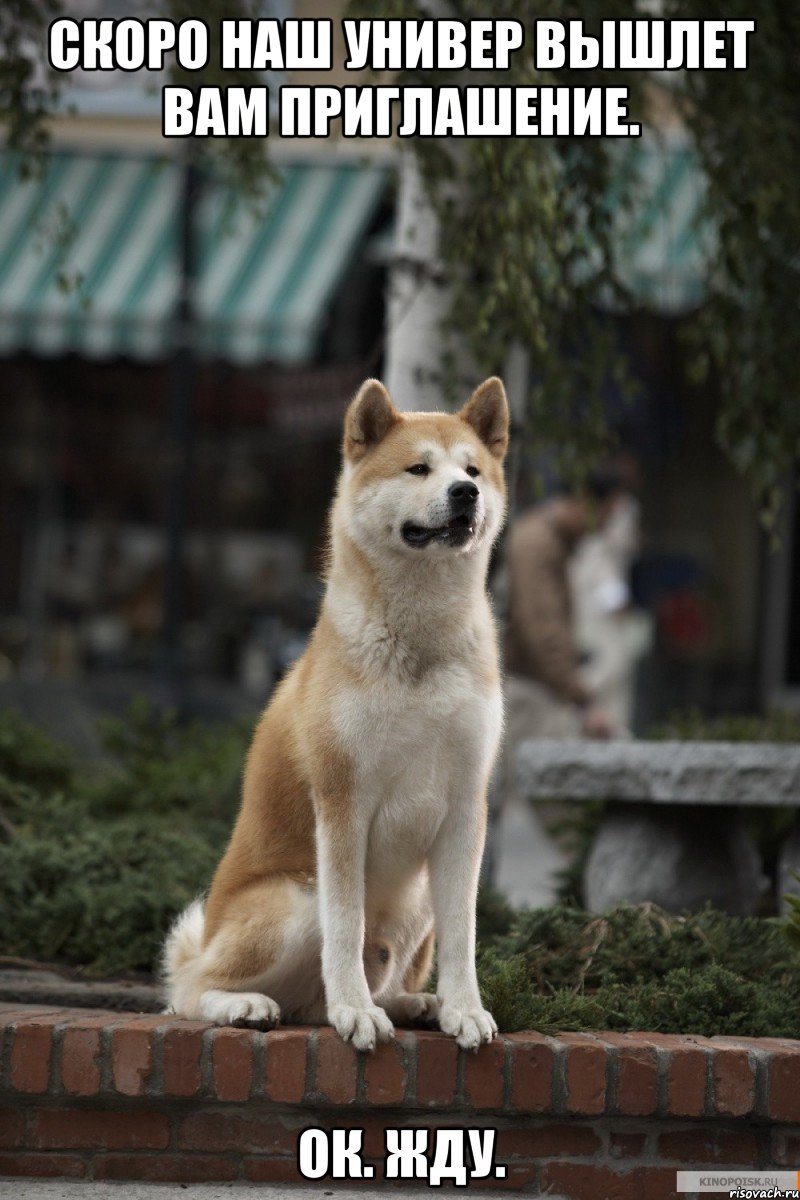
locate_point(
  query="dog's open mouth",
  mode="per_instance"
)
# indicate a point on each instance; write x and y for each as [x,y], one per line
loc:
[456,532]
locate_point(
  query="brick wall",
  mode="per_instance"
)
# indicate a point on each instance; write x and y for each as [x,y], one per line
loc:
[104,1095]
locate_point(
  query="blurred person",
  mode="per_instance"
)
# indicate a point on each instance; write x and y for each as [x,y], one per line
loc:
[547,695]
[611,634]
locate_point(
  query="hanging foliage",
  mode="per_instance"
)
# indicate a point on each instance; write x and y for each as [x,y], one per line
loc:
[528,215]
[31,92]
[746,128]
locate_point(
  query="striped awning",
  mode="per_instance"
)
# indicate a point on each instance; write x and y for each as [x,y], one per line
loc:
[663,245]
[89,254]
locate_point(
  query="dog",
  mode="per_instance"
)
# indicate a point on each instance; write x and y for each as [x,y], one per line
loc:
[363,812]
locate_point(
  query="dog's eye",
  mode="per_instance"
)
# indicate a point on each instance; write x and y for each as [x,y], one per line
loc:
[419,469]
[472,471]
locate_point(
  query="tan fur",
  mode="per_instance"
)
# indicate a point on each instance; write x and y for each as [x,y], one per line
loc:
[304,771]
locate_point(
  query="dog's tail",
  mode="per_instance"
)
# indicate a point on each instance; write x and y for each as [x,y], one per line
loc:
[180,959]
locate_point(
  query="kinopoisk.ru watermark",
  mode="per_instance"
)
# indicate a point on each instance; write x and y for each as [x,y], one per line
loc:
[740,1186]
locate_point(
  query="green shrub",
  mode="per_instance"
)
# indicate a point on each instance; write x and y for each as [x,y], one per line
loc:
[30,756]
[710,1002]
[637,968]
[495,915]
[96,860]
[567,947]
[100,894]
[95,863]
[160,765]
[692,725]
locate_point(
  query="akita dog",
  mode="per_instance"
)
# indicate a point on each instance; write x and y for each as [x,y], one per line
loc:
[364,799]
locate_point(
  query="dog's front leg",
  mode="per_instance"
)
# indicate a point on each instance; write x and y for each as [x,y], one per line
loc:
[341,856]
[454,866]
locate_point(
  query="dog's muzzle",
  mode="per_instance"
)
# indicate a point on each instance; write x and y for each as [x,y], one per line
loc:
[462,498]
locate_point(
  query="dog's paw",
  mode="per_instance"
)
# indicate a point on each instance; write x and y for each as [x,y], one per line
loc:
[361,1026]
[250,1009]
[469,1026]
[413,1006]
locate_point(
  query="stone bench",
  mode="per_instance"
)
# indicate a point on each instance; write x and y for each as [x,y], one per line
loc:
[672,831]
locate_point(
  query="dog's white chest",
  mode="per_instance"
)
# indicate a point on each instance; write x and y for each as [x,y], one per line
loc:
[392,731]
[415,751]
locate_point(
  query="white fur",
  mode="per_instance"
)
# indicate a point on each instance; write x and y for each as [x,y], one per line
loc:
[293,978]
[239,1008]
[184,943]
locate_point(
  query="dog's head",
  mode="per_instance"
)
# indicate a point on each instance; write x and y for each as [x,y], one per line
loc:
[427,484]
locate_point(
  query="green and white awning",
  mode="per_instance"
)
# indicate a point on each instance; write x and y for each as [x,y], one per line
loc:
[89,257]
[663,245]
[89,252]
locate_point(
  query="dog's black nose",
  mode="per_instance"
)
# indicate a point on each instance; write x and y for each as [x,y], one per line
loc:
[462,494]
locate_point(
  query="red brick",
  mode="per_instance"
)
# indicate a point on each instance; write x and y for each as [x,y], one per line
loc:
[626,1145]
[374,1127]
[519,1176]
[31,1054]
[80,1061]
[752,1043]
[532,1059]
[73,1129]
[12,1013]
[687,1072]
[548,1141]
[12,1128]
[377,1179]
[785,1148]
[285,1079]
[220,1132]
[131,1059]
[584,1182]
[734,1083]
[42,1166]
[437,1060]
[337,1066]
[285,1131]
[166,1168]
[182,1048]
[784,1085]
[709,1147]
[100,1016]
[672,1041]
[232,1063]
[658,1183]
[272,1170]
[91,1018]
[385,1073]
[585,1075]
[581,1181]
[637,1074]
[484,1071]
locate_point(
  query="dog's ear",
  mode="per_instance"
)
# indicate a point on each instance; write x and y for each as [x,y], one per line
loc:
[487,412]
[369,418]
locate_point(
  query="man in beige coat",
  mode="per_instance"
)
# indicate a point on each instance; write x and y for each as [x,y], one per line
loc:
[541,657]
[545,696]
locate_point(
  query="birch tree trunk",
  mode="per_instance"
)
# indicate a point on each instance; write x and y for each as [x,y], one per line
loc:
[418,298]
